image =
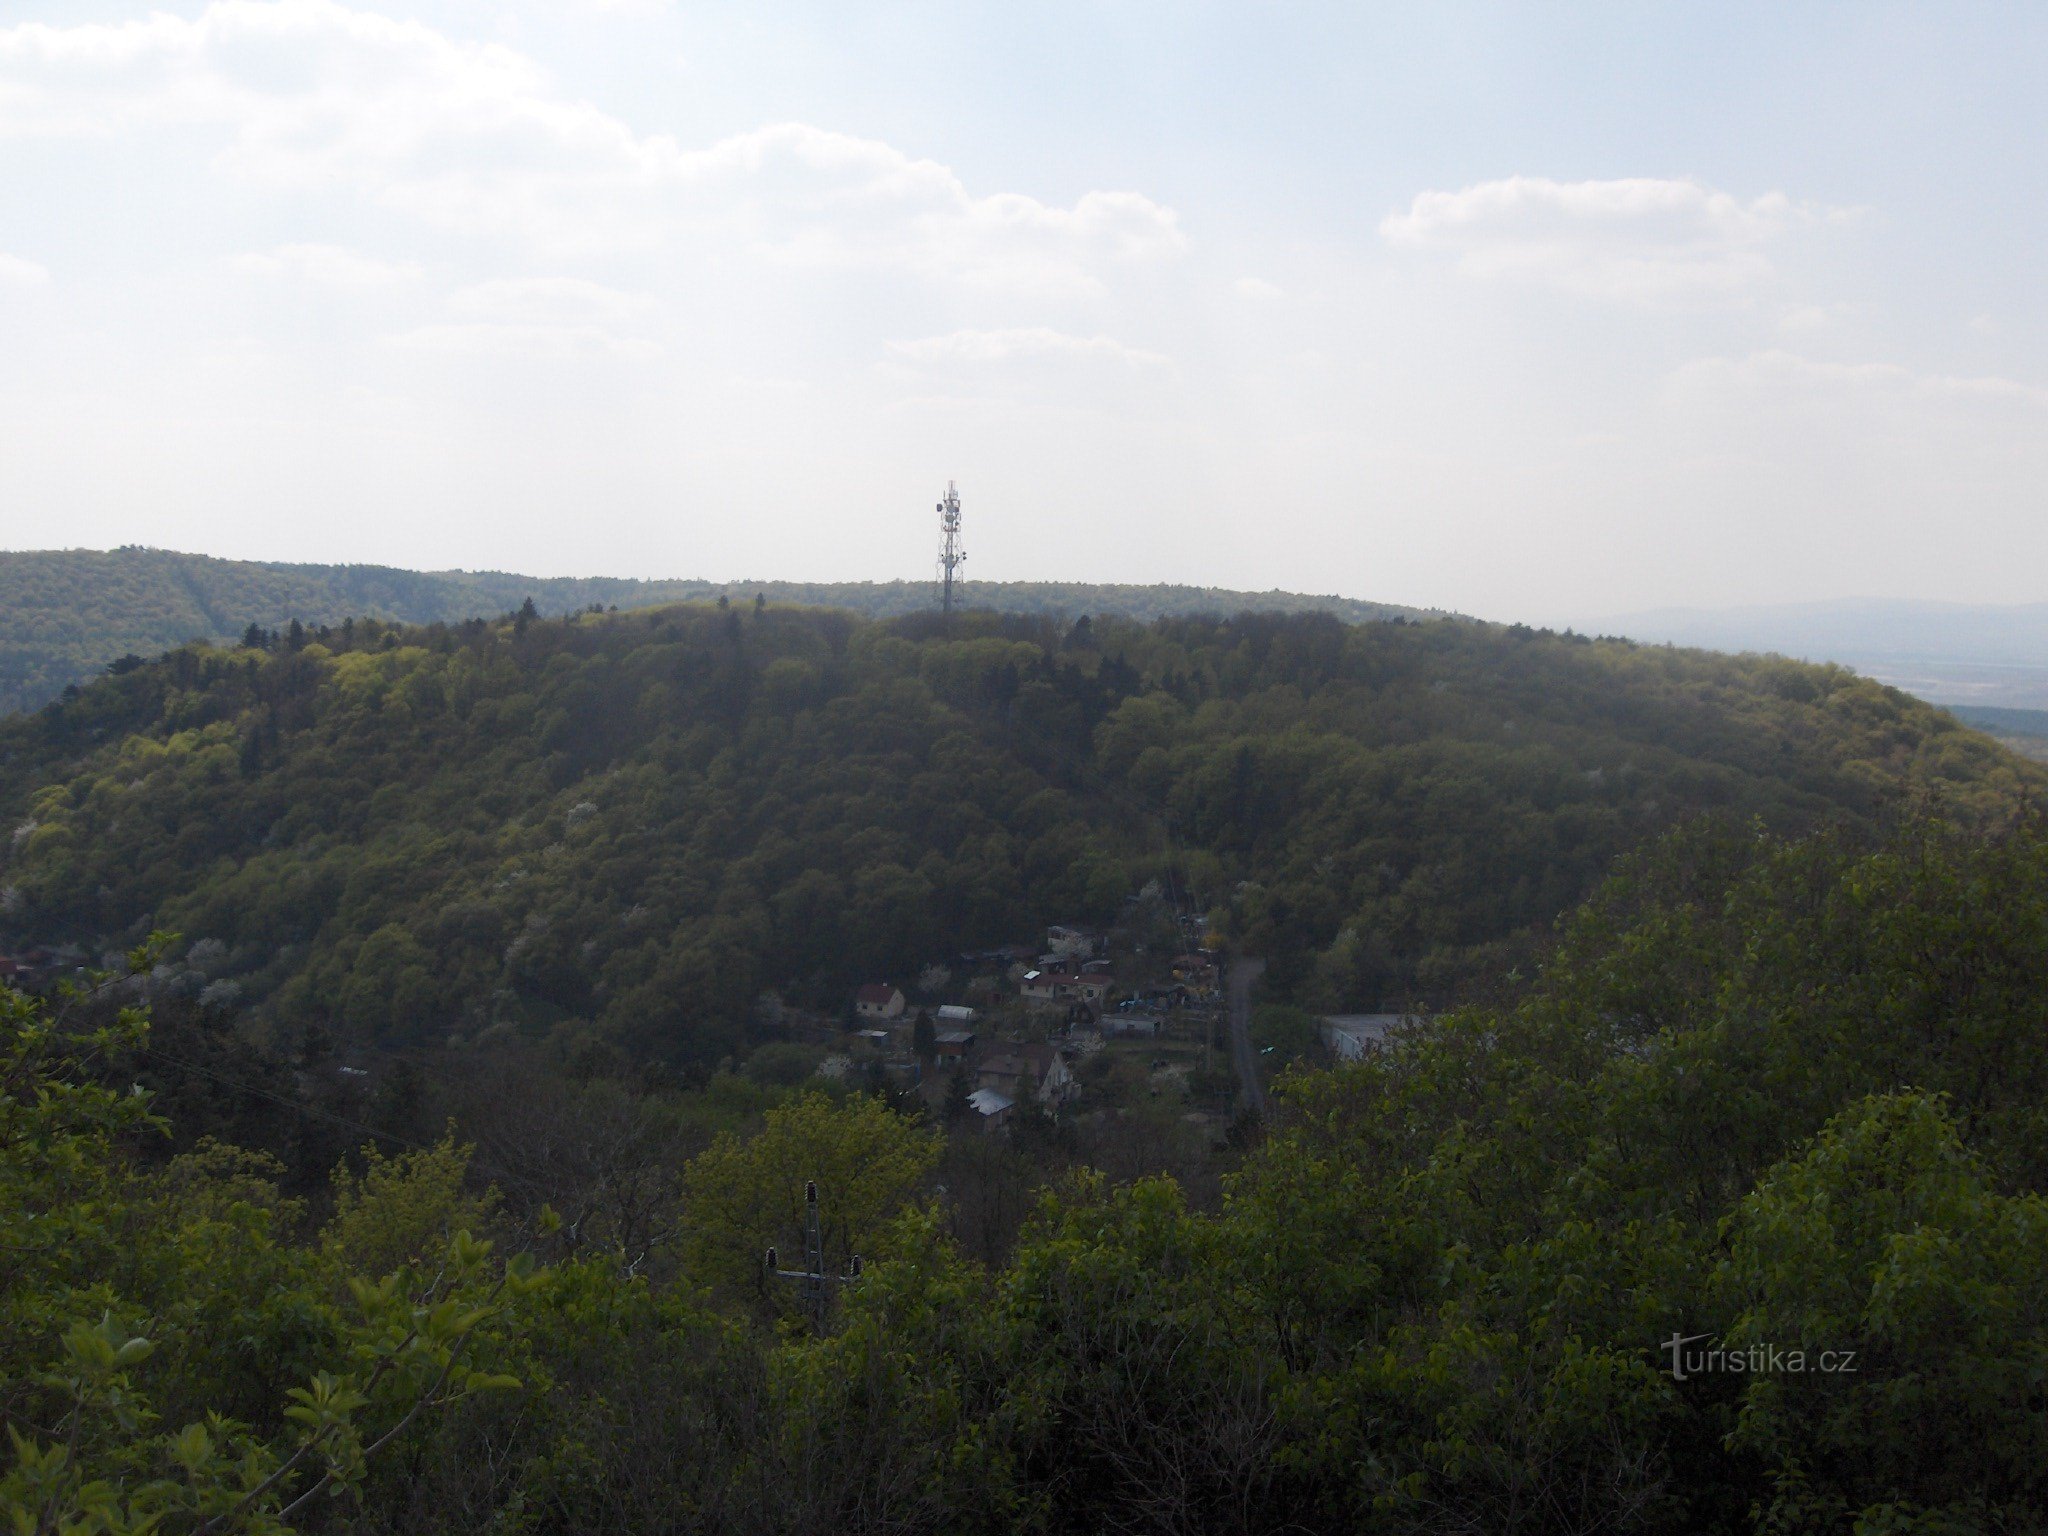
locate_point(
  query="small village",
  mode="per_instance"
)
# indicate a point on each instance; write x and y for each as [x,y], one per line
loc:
[1081,1029]
[1083,1024]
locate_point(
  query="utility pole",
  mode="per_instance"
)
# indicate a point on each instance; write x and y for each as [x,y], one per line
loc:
[814,1284]
[951,555]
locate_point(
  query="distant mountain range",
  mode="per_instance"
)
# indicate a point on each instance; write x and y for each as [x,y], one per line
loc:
[1947,653]
[65,615]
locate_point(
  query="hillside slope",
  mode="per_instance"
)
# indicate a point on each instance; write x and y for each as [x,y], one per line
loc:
[66,614]
[2024,731]
[1949,653]
[639,822]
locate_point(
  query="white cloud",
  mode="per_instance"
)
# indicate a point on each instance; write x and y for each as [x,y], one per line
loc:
[19,272]
[1788,372]
[326,266]
[485,338]
[1258,288]
[312,94]
[1638,240]
[808,196]
[545,317]
[1021,344]
[548,301]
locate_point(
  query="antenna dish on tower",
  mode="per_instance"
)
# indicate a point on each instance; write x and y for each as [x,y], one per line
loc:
[951,555]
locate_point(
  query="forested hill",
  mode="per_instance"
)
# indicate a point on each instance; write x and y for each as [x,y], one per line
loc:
[66,614]
[641,821]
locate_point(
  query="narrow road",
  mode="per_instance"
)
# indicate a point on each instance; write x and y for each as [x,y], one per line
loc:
[1244,970]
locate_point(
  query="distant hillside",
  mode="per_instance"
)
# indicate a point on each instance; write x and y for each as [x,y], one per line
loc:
[1948,653]
[628,826]
[2025,731]
[66,614]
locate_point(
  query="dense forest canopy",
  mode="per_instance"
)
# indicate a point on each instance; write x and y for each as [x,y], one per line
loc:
[626,828]
[1768,1101]
[66,614]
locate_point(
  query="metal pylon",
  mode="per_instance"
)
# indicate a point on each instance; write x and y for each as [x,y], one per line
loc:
[814,1284]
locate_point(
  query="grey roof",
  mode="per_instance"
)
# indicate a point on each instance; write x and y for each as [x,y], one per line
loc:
[1352,1034]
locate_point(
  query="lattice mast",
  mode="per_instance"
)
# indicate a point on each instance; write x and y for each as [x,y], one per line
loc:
[814,1282]
[951,555]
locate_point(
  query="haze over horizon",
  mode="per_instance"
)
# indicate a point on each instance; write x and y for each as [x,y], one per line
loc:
[1530,318]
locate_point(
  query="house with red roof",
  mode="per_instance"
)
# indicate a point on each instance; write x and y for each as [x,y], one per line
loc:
[878,1000]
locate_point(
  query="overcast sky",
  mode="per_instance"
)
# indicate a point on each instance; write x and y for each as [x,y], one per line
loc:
[1468,306]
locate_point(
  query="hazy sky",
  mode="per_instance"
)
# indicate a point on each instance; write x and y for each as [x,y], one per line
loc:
[1534,311]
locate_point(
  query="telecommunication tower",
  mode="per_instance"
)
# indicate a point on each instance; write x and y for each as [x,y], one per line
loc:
[950,553]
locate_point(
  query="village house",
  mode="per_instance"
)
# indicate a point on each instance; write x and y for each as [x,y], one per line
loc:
[1058,984]
[878,1000]
[1070,943]
[1035,1071]
[955,1044]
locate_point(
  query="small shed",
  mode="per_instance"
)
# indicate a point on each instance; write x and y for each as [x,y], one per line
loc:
[994,1108]
[1123,1025]
[1353,1036]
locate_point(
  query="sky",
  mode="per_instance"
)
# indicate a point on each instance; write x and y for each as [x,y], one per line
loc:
[1536,312]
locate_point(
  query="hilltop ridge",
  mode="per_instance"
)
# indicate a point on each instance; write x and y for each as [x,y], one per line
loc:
[66,614]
